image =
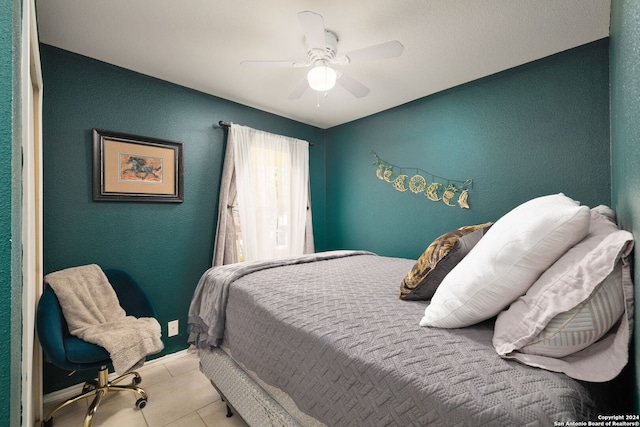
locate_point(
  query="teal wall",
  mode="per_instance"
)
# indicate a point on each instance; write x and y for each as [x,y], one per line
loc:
[625,131]
[536,129]
[10,214]
[165,246]
[6,37]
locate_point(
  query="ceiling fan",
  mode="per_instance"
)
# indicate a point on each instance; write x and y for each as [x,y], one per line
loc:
[322,53]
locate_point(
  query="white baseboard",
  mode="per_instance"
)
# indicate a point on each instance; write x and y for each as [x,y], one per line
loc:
[69,392]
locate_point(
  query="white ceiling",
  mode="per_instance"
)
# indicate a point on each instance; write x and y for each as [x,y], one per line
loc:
[200,44]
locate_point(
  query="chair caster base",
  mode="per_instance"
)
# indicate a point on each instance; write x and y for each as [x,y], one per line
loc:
[141,403]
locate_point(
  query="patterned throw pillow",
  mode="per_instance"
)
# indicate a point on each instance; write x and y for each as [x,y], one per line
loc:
[438,259]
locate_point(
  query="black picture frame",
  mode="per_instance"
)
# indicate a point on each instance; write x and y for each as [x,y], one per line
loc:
[134,168]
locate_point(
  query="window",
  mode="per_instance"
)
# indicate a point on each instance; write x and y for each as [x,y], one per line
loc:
[272,178]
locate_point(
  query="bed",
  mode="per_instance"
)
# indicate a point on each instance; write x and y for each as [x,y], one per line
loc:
[324,339]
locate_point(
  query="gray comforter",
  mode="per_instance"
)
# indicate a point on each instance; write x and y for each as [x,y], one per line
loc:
[207,312]
[335,336]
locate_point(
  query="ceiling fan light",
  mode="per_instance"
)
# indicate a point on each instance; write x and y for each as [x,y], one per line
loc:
[321,78]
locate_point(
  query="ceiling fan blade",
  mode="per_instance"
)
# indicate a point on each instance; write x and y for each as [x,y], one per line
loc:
[298,90]
[313,28]
[356,88]
[386,50]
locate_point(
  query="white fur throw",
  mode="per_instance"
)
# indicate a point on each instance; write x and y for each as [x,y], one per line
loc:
[93,313]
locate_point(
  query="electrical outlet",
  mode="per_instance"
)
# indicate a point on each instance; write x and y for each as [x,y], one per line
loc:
[172,329]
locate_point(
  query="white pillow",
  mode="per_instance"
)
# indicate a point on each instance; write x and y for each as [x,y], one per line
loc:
[507,260]
[560,323]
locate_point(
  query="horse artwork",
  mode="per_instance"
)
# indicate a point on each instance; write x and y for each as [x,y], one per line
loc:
[140,168]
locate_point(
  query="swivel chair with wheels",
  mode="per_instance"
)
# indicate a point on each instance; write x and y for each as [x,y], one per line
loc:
[73,354]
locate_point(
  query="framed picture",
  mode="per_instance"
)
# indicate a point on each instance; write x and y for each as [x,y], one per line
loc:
[131,168]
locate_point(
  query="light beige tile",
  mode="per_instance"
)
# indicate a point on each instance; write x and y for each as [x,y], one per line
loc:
[120,398]
[177,397]
[215,415]
[184,364]
[79,406]
[71,415]
[153,374]
[69,419]
[115,410]
[117,413]
[191,420]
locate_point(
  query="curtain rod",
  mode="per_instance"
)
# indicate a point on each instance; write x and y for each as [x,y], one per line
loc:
[226,125]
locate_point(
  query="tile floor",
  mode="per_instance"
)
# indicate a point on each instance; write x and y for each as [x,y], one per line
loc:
[179,396]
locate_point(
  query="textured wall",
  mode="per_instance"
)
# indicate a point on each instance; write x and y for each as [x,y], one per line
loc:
[5,197]
[625,129]
[538,129]
[165,246]
[10,214]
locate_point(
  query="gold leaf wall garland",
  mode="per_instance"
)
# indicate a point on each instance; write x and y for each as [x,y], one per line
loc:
[418,184]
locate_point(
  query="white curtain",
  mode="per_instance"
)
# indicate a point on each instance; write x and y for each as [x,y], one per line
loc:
[271,178]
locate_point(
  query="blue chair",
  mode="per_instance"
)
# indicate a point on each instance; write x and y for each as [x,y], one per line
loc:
[73,354]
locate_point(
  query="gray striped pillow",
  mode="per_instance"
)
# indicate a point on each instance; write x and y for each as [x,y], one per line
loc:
[576,317]
[583,325]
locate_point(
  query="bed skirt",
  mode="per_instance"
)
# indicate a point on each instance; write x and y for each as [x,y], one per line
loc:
[248,396]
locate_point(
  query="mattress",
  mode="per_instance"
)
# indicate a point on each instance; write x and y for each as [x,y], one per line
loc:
[334,336]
